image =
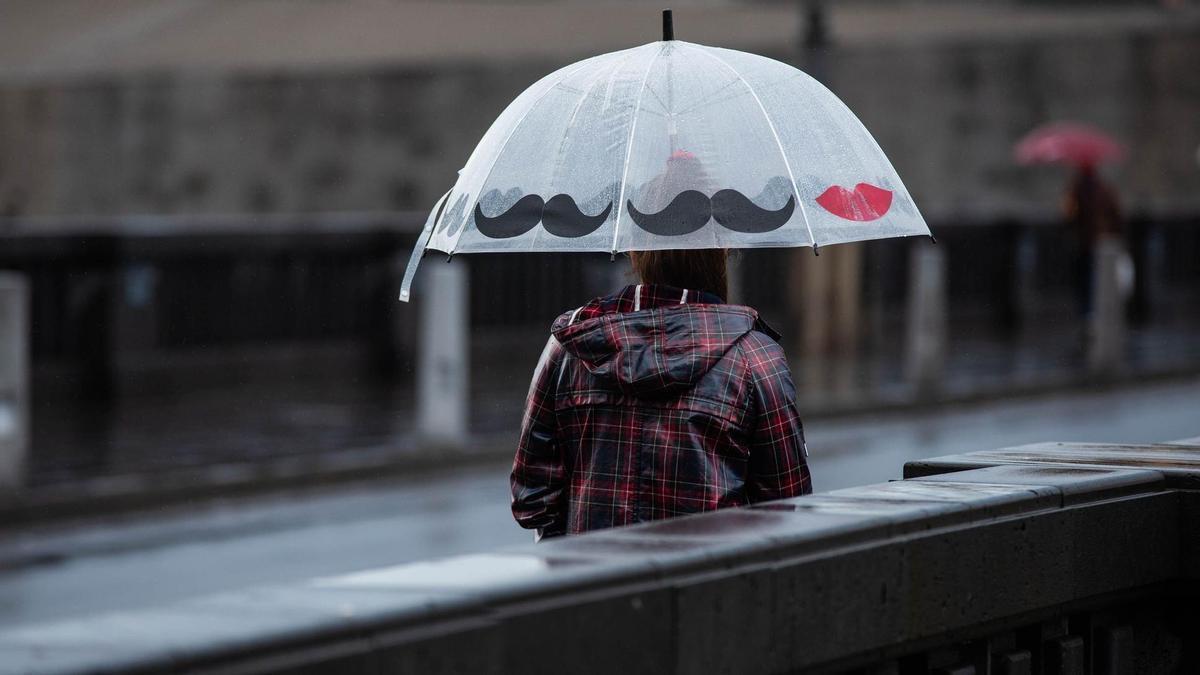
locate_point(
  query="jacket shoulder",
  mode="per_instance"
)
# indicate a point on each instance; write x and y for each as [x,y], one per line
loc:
[764,356]
[758,342]
[549,361]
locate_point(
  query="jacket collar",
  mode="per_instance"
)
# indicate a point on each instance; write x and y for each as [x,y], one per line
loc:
[636,297]
[642,297]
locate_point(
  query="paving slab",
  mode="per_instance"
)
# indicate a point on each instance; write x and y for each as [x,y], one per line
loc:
[956,502]
[658,551]
[748,533]
[904,516]
[1179,464]
[1076,484]
[498,577]
[808,524]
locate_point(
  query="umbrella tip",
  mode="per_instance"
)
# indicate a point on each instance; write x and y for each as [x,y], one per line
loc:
[668,26]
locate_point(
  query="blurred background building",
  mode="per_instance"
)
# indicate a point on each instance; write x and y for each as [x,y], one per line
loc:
[211,202]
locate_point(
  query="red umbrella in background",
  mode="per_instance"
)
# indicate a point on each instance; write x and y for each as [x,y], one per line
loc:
[1068,143]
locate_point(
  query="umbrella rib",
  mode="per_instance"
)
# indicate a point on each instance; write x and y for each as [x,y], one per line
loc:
[712,97]
[637,106]
[774,133]
[584,93]
[512,132]
[707,99]
[579,105]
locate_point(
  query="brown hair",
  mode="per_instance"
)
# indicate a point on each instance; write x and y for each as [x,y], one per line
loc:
[698,269]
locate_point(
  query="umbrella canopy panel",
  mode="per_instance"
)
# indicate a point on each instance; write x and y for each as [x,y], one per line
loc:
[673,145]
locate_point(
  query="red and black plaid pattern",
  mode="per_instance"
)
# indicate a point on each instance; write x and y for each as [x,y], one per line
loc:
[653,403]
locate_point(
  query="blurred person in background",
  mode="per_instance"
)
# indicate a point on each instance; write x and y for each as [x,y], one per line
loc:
[1092,213]
[658,401]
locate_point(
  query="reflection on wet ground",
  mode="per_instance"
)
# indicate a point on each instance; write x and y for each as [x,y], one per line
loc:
[291,536]
[216,425]
[302,416]
[980,363]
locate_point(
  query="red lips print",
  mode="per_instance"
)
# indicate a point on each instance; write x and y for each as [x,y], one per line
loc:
[865,202]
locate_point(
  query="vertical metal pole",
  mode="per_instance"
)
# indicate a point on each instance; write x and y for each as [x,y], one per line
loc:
[14,380]
[815,40]
[443,355]
[846,272]
[815,314]
[735,271]
[809,294]
[1106,343]
[1025,275]
[925,347]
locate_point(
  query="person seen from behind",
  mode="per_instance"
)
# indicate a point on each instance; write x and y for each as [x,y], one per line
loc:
[658,401]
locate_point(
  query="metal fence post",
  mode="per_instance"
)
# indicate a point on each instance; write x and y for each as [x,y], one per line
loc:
[735,273]
[925,348]
[443,354]
[1106,343]
[1022,289]
[14,380]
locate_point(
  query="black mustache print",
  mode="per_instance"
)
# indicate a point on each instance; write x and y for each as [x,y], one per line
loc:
[517,220]
[690,210]
[560,216]
[737,212]
[452,220]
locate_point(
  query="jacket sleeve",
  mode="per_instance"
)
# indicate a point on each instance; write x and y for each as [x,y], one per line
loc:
[778,455]
[539,473]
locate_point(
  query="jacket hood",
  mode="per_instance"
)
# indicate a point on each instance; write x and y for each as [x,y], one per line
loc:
[649,340]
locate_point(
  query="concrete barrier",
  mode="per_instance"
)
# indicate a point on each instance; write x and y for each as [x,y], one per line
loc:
[1008,568]
[14,380]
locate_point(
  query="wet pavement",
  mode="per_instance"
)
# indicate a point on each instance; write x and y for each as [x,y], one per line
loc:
[184,426]
[137,561]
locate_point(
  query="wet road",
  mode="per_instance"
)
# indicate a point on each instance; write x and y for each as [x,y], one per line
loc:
[142,561]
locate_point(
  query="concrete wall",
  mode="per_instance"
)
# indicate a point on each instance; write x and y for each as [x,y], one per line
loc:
[1070,561]
[385,139]
[948,117]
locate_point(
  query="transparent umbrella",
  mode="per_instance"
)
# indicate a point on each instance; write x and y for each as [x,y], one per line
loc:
[665,146]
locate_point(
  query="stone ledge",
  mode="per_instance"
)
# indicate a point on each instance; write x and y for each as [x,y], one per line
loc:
[864,573]
[1178,463]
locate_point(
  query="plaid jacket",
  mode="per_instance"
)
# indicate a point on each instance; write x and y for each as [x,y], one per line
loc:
[652,403]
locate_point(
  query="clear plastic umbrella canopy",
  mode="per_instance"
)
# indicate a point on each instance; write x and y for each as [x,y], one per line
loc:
[671,145]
